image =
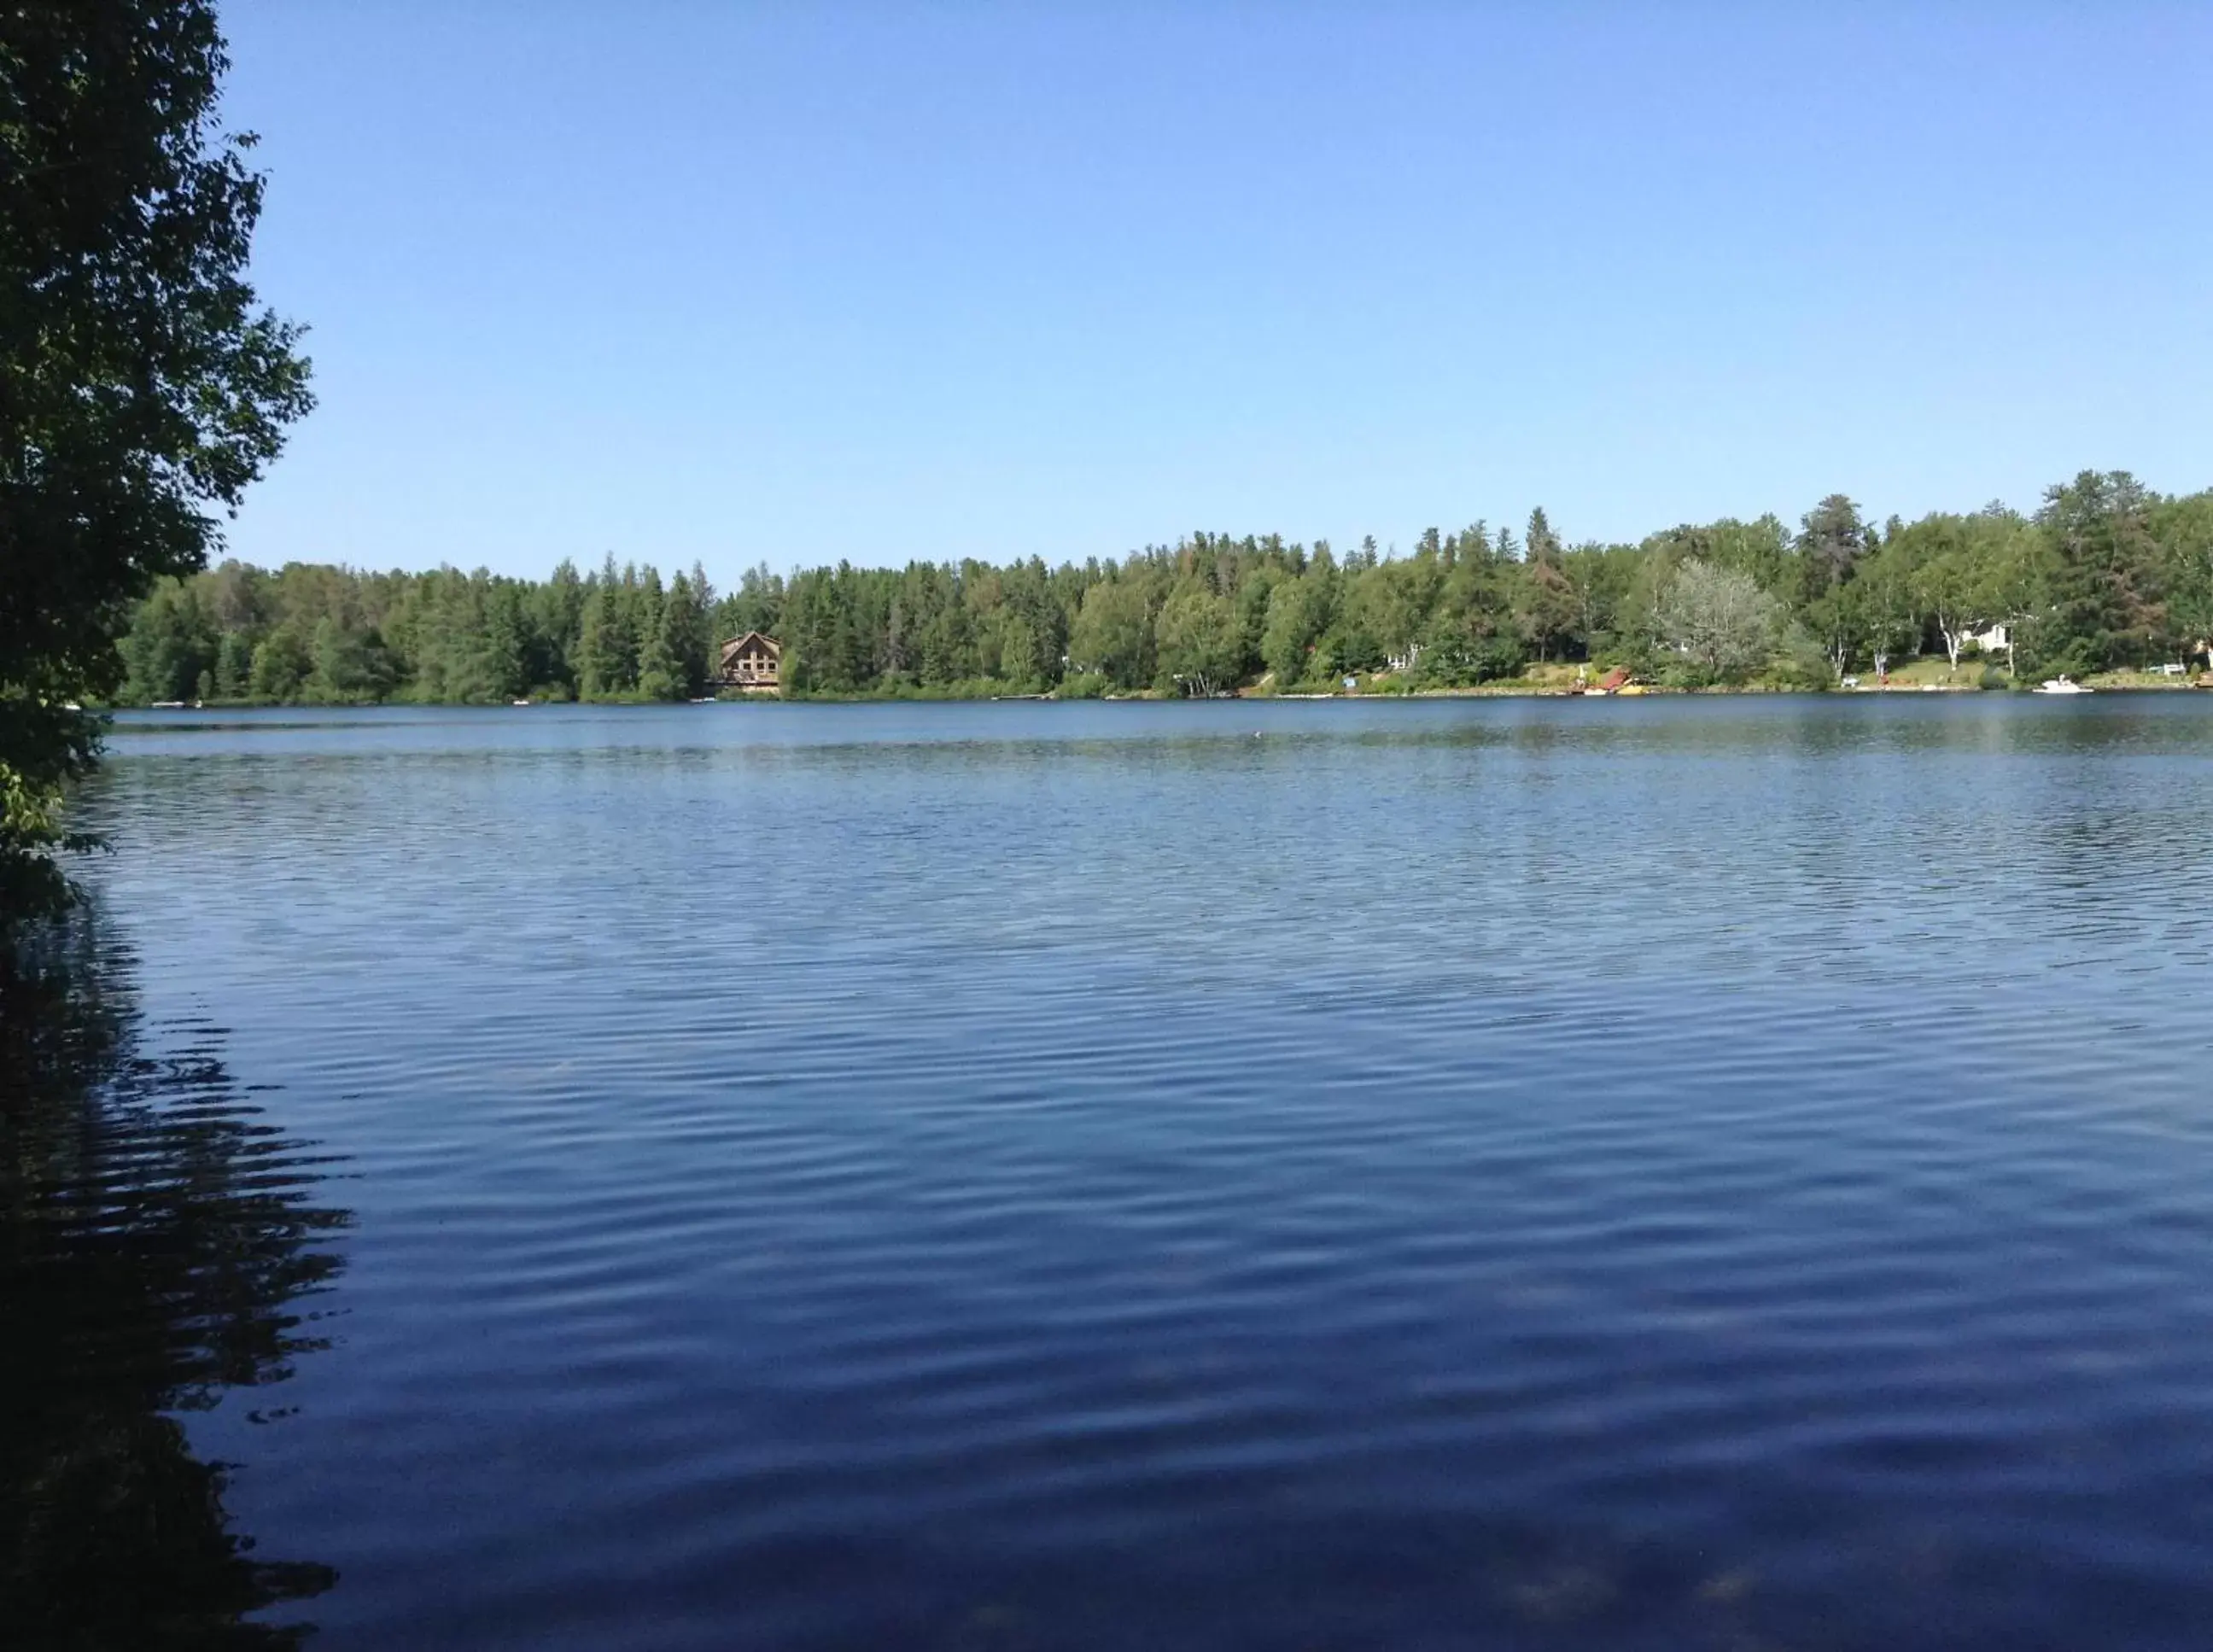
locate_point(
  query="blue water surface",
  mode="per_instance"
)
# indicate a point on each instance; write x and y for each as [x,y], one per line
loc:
[1705,1171]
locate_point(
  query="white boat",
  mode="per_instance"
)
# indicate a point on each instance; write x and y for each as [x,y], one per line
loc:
[2062,683]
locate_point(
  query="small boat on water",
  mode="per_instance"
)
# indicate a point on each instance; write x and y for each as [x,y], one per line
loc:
[518,702]
[2063,684]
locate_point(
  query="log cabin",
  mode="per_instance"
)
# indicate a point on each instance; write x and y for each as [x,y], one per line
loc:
[751,662]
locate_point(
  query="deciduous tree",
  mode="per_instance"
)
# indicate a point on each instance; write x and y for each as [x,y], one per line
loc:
[1719,617]
[143,386]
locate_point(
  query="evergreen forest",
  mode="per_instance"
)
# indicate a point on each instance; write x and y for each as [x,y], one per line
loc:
[2106,575]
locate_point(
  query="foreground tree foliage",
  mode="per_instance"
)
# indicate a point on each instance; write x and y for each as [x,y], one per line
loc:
[142,389]
[2108,573]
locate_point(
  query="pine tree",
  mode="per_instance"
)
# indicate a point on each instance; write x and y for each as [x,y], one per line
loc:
[660,670]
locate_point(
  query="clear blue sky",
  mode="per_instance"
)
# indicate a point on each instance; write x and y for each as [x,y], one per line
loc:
[794,283]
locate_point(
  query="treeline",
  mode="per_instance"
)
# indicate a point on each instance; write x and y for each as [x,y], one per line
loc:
[2106,574]
[314,633]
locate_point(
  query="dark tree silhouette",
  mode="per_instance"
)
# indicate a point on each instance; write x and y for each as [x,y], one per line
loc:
[158,1243]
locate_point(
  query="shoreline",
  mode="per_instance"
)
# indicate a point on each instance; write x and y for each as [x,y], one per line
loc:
[1522,692]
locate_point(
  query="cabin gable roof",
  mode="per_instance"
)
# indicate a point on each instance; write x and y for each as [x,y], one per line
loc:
[738,645]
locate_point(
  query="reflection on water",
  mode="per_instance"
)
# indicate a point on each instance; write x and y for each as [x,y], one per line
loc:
[158,1246]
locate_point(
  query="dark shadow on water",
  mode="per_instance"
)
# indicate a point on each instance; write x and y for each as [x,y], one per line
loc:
[159,1246]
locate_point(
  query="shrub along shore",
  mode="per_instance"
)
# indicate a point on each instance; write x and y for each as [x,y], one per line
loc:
[2106,581]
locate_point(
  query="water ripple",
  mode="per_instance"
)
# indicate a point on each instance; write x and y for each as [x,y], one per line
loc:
[1715,1172]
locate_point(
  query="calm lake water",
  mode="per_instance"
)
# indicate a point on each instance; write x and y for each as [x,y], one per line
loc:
[1730,1173]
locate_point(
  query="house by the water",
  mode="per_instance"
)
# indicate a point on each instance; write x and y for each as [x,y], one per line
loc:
[752,662]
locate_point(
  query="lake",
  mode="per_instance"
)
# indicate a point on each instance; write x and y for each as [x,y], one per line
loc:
[1697,1171]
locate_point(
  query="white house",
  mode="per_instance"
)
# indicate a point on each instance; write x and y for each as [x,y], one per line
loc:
[1993,639]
